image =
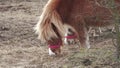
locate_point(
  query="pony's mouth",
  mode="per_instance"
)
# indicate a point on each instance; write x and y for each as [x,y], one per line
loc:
[54,52]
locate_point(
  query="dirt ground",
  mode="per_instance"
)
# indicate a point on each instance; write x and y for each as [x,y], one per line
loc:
[20,48]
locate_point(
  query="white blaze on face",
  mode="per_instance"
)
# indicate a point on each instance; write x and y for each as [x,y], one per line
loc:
[68,41]
[66,34]
[67,27]
[50,52]
[65,40]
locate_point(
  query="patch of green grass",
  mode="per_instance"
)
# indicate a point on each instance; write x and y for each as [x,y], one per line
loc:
[93,58]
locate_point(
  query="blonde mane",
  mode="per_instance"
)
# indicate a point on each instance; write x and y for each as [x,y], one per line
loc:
[48,17]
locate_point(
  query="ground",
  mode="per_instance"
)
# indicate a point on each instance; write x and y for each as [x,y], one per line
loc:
[20,48]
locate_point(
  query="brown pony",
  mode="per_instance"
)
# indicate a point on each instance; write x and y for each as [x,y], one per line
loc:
[78,14]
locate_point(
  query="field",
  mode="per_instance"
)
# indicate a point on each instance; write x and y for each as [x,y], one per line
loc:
[20,48]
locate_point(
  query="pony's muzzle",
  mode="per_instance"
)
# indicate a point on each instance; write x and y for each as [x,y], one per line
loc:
[54,50]
[71,39]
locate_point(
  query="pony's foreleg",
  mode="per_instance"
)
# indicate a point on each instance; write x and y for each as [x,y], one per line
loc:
[84,37]
[87,43]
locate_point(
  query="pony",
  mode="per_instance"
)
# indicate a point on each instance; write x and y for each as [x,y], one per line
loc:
[61,17]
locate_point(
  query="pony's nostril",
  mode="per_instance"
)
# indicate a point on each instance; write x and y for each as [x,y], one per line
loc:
[69,42]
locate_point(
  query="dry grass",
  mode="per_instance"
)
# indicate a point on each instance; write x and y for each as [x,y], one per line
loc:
[19,47]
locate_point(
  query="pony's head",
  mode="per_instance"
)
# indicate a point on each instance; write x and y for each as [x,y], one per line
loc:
[49,33]
[55,46]
[70,35]
[55,42]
